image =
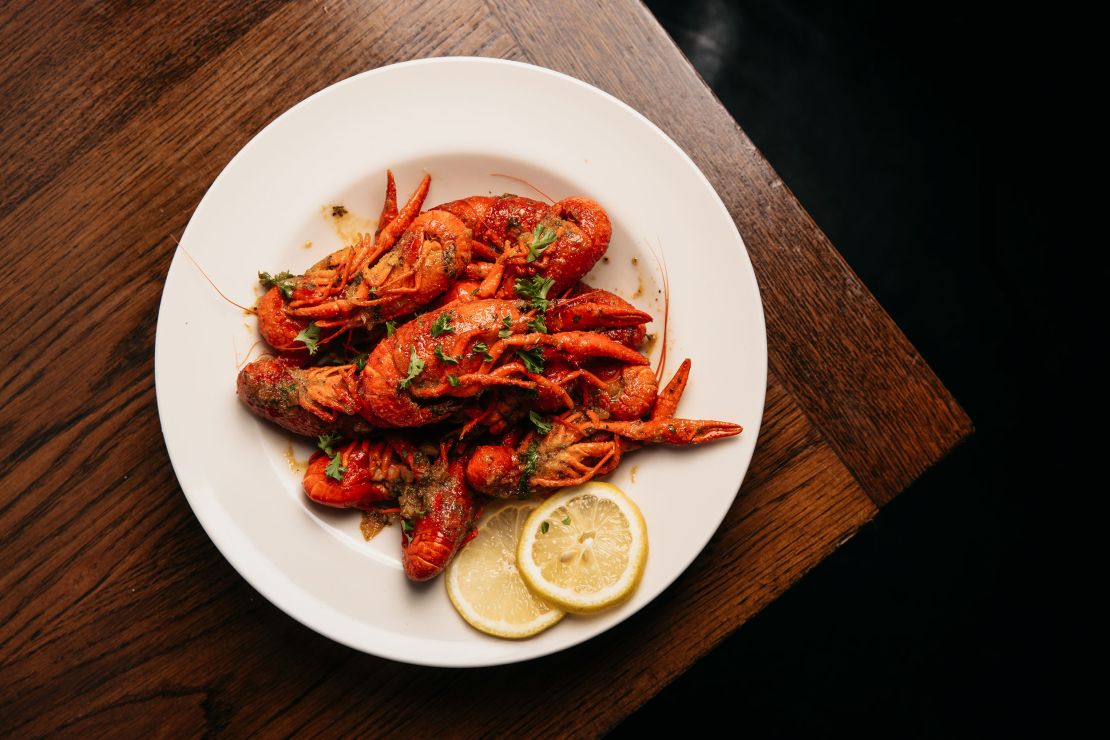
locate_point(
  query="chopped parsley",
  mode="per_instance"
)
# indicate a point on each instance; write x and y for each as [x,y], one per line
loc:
[390,327]
[328,442]
[335,469]
[480,348]
[310,336]
[283,281]
[406,526]
[537,325]
[445,358]
[360,361]
[416,366]
[543,427]
[442,325]
[453,381]
[531,462]
[506,322]
[535,289]
[541,240]
[532,359]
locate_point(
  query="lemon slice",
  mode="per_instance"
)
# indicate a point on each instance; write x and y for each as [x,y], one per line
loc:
[584,548]
[483,582]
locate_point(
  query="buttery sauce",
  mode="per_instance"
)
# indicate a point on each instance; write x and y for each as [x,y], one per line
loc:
[291,460]
[348,226]
[373,522]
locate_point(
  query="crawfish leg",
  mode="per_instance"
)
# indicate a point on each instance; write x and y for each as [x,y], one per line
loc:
[389,234]
[666,431]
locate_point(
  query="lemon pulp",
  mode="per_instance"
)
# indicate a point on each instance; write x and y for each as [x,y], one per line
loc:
[584,548]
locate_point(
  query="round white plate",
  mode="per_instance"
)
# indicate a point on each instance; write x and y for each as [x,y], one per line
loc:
[467,122]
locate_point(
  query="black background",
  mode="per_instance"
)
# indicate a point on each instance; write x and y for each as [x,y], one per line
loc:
[934,145]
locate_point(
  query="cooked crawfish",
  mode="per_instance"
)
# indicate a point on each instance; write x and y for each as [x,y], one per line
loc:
[409,262]
[438,513]
[527,237]
[492,359]
[419,375]
[309,401]
[581,446]
[369,472]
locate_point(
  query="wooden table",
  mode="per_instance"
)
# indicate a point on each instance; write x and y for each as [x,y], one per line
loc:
[116,611]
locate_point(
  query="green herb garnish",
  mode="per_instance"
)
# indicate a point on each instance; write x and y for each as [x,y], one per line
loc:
[283,281]
[453,381]
[544,527]
[442,325]
[328,442]
[532,359]
[335,469]
[416,366]
[310,336]
[531,462]
[543,427]
[537,325]
[506,322]
[480,348]
[446,358]
[541,240]
[535,289]
[390,327]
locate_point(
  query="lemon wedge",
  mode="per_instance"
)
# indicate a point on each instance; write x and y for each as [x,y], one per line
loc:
[584,548]
[483,582]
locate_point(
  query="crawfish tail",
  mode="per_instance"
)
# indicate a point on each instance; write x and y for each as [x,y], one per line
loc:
[438,513]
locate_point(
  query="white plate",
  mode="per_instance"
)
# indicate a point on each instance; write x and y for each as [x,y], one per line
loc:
[461,120]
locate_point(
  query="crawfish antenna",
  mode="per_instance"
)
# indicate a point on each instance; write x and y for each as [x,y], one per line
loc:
[202,272]
[524,182]
[661,263]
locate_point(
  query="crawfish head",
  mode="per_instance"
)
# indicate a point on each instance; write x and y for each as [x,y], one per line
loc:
[309,401]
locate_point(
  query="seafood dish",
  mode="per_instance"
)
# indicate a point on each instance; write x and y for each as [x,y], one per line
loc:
[454,356]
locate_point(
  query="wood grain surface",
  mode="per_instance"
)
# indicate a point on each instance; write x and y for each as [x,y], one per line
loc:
[116,611]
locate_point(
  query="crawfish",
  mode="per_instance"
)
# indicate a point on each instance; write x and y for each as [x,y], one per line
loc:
[528,237]
[369,472]
[409,262]
[580,446]
[436,505]
[419,375]
[308,401]
[437,514]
